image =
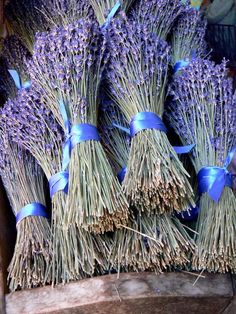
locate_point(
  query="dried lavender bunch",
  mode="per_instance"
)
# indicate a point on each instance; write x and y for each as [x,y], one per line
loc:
[67,65]
[102,8]
[7,86]
[16,56]
[33,126]
[188,36]
[158,16]
[137,74]
[149,242]
[64,12]
[26,18]
[23,180]
[202,111]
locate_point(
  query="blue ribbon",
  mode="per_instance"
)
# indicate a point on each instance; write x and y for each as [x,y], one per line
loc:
[79,133]
[146,120]
[17,80]
[112,13]
[180,65]
[76,134]
[212,180]
[188,215]
[121,174]
[183,149]
[33,209]
[59,182]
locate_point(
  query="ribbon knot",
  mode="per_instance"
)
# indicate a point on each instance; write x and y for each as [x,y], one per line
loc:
[212,180]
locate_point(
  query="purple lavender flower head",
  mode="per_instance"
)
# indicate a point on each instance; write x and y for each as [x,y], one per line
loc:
[158,16]
[138,64]
[67,64]
[188,36]
[32,126]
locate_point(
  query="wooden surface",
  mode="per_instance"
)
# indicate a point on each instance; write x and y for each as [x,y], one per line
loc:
[144,293]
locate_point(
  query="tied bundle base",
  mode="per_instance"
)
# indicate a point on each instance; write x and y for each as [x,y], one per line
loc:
[32,257]
[75,250]
[159,184]
[154,243]
[216,242]
[100,204]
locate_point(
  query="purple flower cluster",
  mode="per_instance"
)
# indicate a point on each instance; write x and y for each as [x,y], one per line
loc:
[33,127]
[158,16]
[67,64]
[203,108]
[16,56]
[138,64]
[188,38]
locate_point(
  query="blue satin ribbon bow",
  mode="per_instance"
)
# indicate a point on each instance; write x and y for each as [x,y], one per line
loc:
[17,80]
[212,180]
[113,12]
[33,209]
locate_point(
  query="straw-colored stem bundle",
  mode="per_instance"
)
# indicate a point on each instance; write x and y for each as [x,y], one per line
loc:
[160,182]
[216,243]
[24,183]
[151,243]
[100,205]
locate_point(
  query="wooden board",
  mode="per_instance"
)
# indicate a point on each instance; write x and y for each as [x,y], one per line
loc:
[144,293]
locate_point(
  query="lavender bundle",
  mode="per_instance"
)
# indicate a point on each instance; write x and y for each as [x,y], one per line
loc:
[105,9]
[24,183]
[158,16]
[153,242]
[26,19]
[137,72]
[203,112]
[188,38]
[33,126]
[67,65]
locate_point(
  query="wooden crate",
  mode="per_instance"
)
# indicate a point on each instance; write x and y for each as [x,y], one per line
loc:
[143,293]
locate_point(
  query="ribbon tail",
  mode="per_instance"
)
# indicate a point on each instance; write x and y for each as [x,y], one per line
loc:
[217,187]
[66,155]
[183,149]
[16,78]
[122,128]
